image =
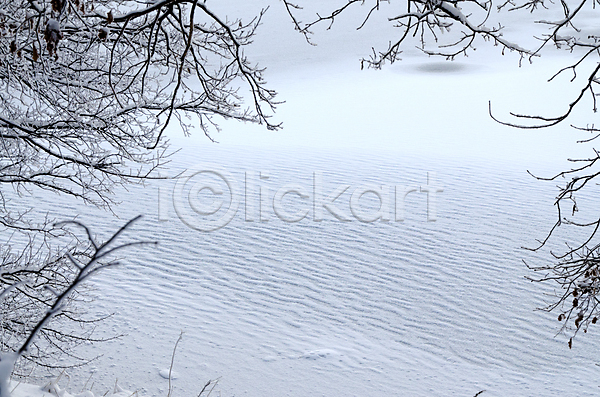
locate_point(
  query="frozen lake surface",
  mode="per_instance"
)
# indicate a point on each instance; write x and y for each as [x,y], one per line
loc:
[342,308]
[333,308]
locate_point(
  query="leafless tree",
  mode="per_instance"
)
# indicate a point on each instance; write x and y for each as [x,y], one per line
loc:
[576,270]
[77,269]
[449,28]
[452,26]
[32,276]
[88,89]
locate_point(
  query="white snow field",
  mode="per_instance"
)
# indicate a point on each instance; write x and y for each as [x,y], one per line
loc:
[348,308]
[337,308]
[51,389]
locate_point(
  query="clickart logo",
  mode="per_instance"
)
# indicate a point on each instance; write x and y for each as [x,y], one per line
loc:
[207,199]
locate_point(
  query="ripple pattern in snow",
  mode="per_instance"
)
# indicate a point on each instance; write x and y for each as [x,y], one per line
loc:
[345,308]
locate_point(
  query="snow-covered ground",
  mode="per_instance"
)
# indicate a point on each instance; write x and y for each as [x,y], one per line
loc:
[345,308]
[51,389]
[332,308]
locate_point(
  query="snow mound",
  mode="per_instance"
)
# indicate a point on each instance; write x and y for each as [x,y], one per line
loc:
[317,354]
[165,374]
[51,389]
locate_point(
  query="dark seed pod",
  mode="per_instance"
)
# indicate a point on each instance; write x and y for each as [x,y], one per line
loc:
[52,35]
[575,302]
[575,293]
[35,54]
[578,320]
[561,317]
[570,343]
[13,46]
[594,320]
[57,5]
[109,17]
[103,34]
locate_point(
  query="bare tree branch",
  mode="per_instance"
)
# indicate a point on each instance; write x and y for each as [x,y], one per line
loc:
[59,302]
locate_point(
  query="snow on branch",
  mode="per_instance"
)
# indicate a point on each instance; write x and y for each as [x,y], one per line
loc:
[96,261]
[423,20]
[89,88]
